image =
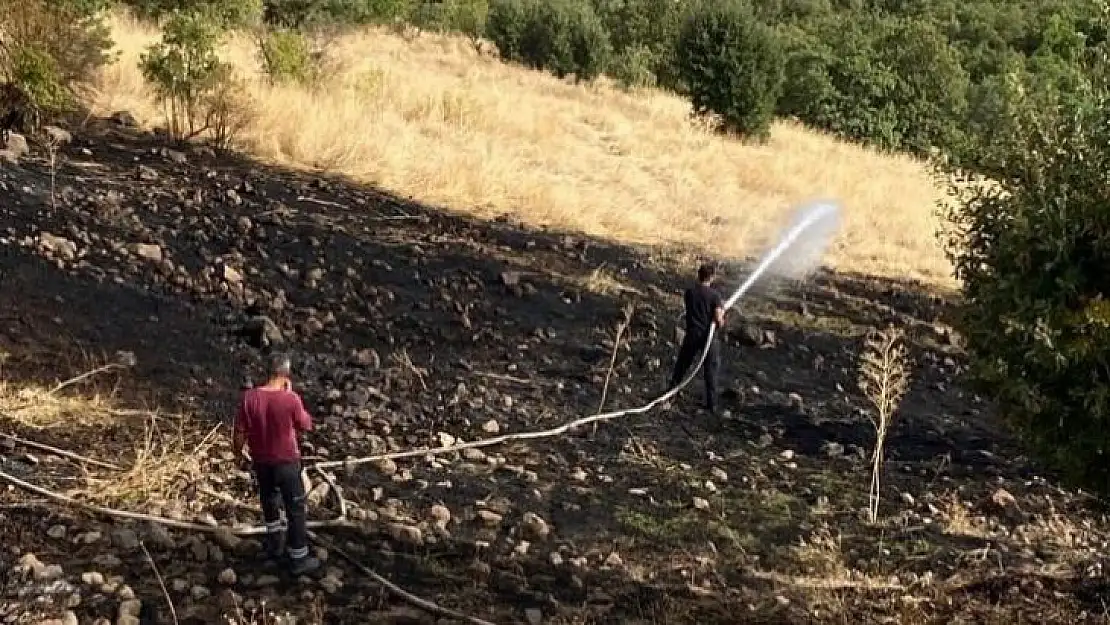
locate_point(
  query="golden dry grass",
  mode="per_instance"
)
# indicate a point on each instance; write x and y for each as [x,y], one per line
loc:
[164,458]
[433,119]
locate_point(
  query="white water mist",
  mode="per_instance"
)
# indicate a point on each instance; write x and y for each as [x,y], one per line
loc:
[800,249]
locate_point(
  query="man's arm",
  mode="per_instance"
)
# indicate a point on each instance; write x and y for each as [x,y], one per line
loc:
[302,421]
[719,311]
[239,436]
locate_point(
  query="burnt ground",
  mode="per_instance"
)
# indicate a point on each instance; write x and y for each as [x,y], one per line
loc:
[411,326]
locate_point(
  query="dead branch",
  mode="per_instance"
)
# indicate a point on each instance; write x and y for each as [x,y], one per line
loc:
[335,489]
[628,310]
[59,452]
[138,516]
[396,590]
[126,360]
[504,378]
[305,198]
[817,583]
[161,582]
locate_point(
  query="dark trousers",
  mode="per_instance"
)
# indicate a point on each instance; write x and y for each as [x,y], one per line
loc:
[280,484]
[692,346]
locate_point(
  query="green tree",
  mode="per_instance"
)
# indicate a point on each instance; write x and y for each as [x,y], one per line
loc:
[1030,242]
[231,13]
[564,37]
[51,48]
[184,68]
[891,81]
[732,66]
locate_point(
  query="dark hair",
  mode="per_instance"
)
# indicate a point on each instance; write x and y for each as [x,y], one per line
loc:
[706,271]
[281,364]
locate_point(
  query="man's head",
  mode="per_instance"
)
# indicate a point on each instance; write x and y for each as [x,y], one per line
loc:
[281,366]
[706,273]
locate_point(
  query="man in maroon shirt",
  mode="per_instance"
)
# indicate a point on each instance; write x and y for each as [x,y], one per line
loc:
[268,420]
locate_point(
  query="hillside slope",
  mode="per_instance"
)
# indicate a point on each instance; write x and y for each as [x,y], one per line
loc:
[413,328]
[431,118]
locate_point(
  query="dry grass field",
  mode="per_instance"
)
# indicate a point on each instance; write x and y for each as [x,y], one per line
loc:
[431,118]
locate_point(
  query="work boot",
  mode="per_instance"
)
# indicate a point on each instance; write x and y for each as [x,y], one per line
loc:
[303,566]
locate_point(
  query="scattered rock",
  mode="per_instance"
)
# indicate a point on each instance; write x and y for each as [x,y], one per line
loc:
[146,173]
[534,526]
[406,534]
[125,539]
[490,518]
[386,467]
[16,146]
[440,515]
[228,577]
[231,275]
[150,252]
[58,136]
[700,503]
[129,608]
[58,247]
[367,358]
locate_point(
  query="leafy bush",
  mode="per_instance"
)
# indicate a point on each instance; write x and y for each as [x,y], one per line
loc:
[732,65]
[229,13]
[505,26]
[462,16]
[286,56]
[893,82]
[184,70]
[49,48]
[634,67]
[562,36]
[1031,249]
[228,111]
[643,35]
[301,13]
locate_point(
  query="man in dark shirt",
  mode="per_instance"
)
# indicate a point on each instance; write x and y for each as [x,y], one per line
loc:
[704,308]
[268,420]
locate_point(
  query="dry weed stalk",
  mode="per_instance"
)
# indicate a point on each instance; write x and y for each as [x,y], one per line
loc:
[403,361]
[621,328]
[52,143]
[165,464]
[161,582]
[883,378]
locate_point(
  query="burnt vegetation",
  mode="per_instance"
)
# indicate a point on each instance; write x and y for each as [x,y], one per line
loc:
[420,329]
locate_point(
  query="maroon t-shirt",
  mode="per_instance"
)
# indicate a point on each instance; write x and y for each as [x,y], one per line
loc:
[270,420]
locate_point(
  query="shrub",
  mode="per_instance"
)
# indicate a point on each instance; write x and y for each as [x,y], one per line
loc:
[184,69]
[643,34]
[227,109]
[1031,250]
[286,57]
[301,13]
[462,16]
[893,82]
[228,13]
[732,66]
[634,67]
[505,26]
[50,48]
[562,36]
